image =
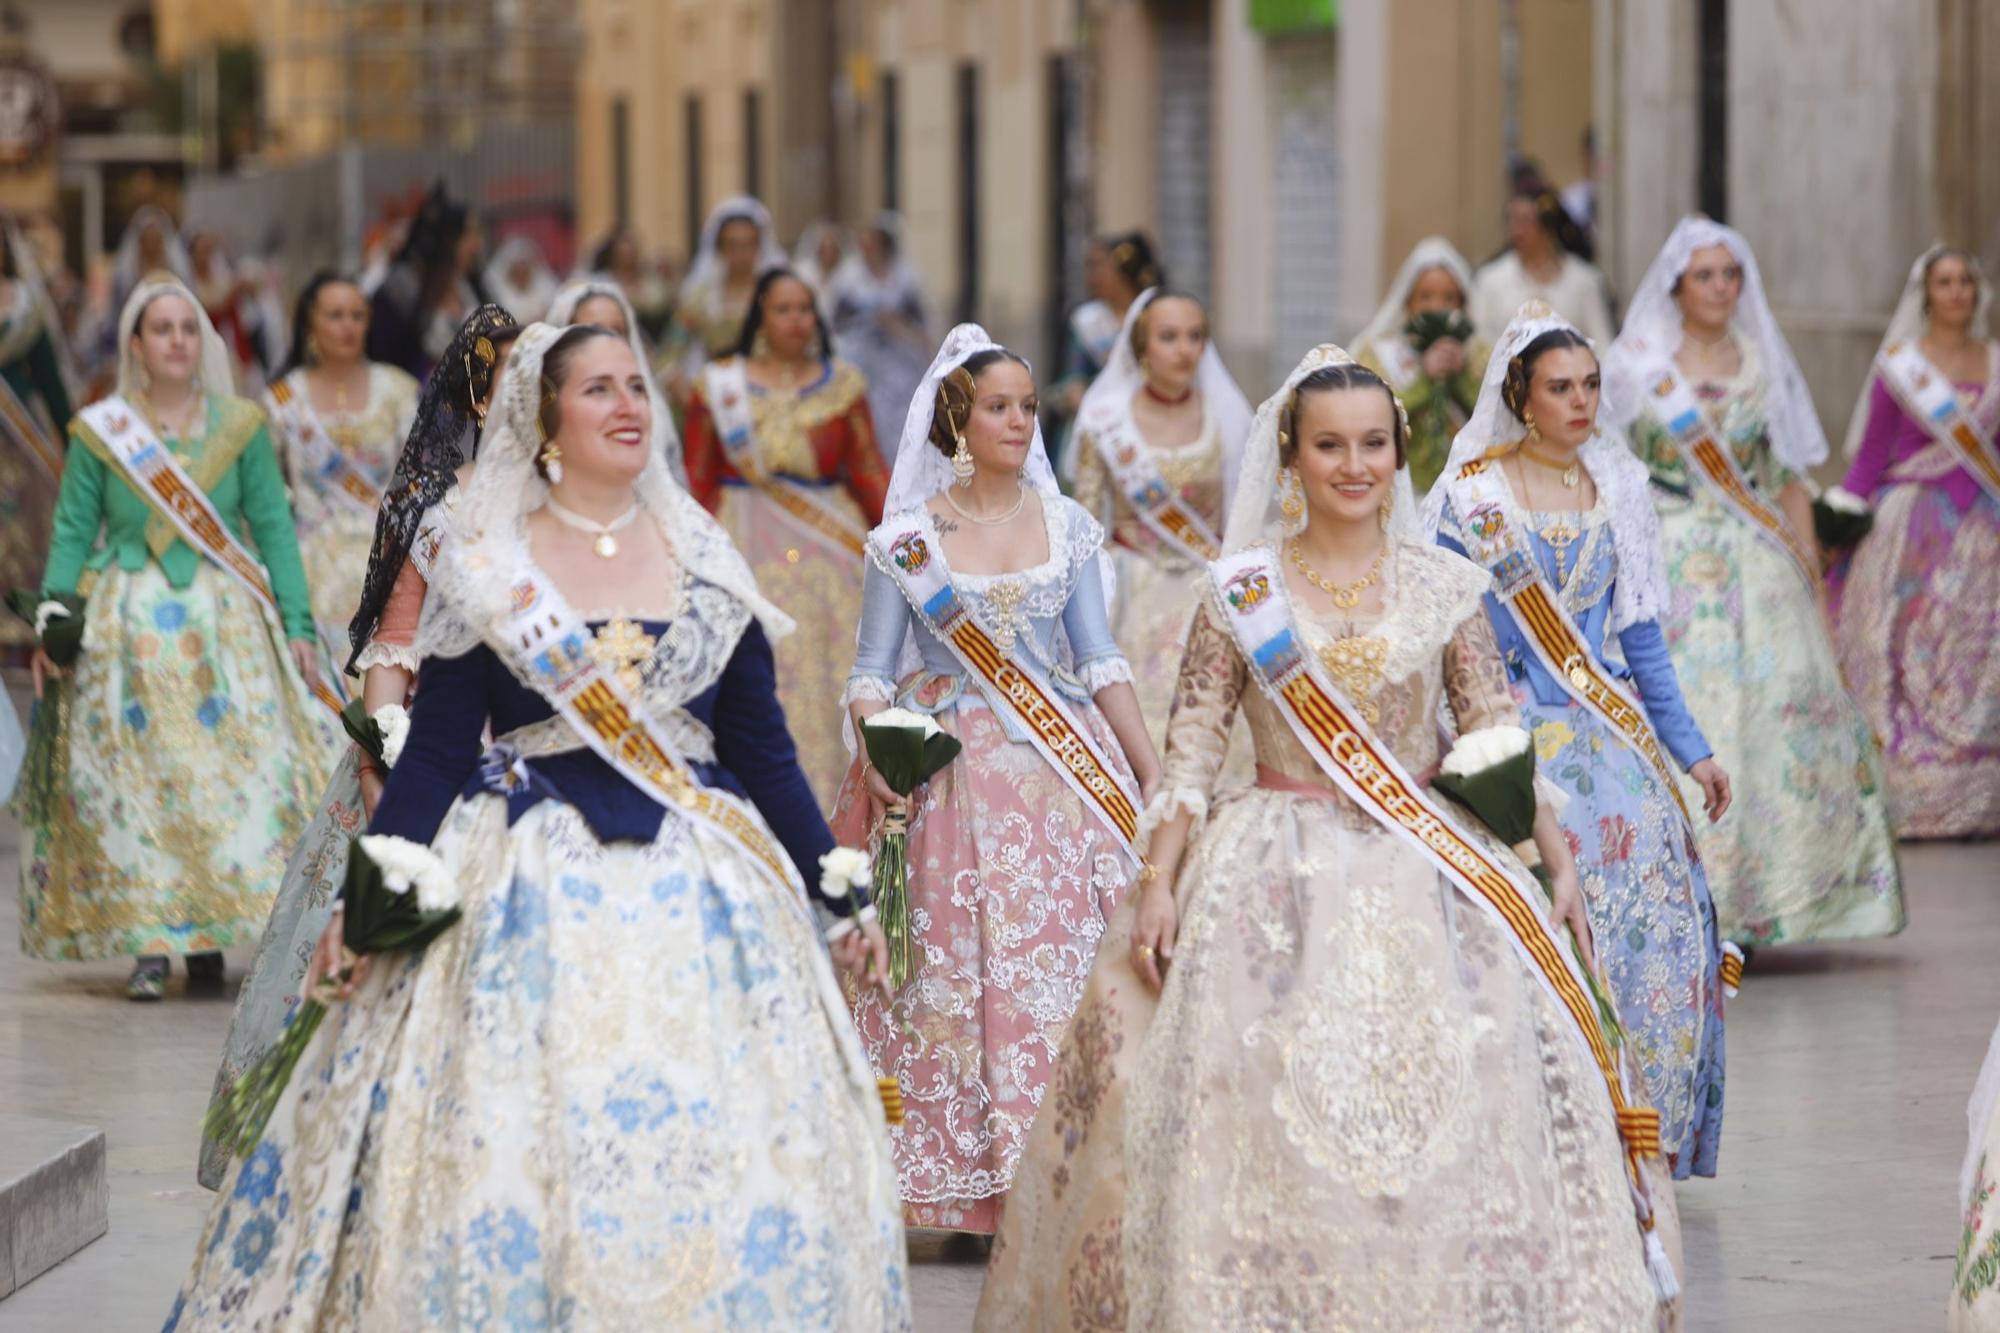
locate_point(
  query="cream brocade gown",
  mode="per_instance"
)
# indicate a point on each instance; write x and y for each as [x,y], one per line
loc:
[1351,1107]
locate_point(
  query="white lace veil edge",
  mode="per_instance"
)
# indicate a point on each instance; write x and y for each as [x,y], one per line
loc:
[562,313]
[472,578]
[1390,317]
[214,366]
[1115,385]
[706,268]
[1652,334]
[922,471]
[1621,479]
[1910,323]
[1254,515]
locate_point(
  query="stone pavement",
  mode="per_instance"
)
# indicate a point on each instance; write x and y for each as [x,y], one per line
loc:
[1848,1074]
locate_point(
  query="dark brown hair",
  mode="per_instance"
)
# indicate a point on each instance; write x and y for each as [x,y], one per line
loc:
[1327,379]
[555,372]
[1521,370]
[955,393]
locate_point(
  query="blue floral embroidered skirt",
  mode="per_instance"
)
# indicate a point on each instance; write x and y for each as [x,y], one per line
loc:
[1651,918]
[622,1092]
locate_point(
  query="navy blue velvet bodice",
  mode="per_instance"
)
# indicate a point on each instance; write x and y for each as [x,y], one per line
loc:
[457,696]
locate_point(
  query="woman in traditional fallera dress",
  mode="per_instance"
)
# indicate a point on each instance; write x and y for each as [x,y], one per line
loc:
[1917,608]
[1015,864]
[1316,1083]
[737,245]
[409,532]
[339,420]
[876,304]
[187,744]
[494,1129]
[1531,472]
[1715,406]
[781,447]
[601,301]
[1437,383]
[1158,445]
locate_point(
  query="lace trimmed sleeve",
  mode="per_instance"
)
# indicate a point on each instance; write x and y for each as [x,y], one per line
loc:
[1212,680]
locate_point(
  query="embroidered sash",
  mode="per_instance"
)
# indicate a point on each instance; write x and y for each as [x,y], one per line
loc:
[1251,596]
[1493,538]
[1932,400]
[1136,472]
[548,643]
[290,405]
[1011,683]
[150,468]
[1677,408]
[25,429]
[727,391]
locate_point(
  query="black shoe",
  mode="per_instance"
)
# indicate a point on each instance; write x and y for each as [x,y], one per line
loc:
[148,980]
[205,969]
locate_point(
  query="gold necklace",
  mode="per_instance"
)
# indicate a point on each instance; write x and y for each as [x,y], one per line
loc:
[1559,532]
[1572,471]
[1345,596]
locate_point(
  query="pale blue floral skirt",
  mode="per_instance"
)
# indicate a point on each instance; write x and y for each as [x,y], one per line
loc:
[623,1092]
[1651,918]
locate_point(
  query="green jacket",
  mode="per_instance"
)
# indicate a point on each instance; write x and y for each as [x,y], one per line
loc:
[232,462]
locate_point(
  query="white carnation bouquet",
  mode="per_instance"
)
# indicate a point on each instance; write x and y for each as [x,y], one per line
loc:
[907,748]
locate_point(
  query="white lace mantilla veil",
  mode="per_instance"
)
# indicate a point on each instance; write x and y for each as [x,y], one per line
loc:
[125,266]
[473,576]
[1623,484]
[215,368]
[706,269]
[1390,317]
[1253,512]
[1121,377]
[562,312]
[921,471]
[1910,323]
[1652,334]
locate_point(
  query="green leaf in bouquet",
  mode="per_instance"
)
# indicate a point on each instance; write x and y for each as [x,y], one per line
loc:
[376,920]
[1432,325]
[362,729]
[905,757]
[1502,796]
[1840,529]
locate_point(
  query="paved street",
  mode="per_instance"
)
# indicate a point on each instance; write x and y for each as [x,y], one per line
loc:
[1849,1071]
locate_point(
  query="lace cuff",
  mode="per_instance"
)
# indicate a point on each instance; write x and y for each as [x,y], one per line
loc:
[1105,672]
[378,653]
[875,689]
[1168,802]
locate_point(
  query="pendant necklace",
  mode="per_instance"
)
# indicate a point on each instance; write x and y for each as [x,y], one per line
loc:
[606,545]
[1559,532]
[980,519]
[1572,471]
[1346,596]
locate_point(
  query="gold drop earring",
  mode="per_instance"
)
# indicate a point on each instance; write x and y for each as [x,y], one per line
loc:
[550,457]
[1528,420]
[1382,514]
[1291,500]
[961,462]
